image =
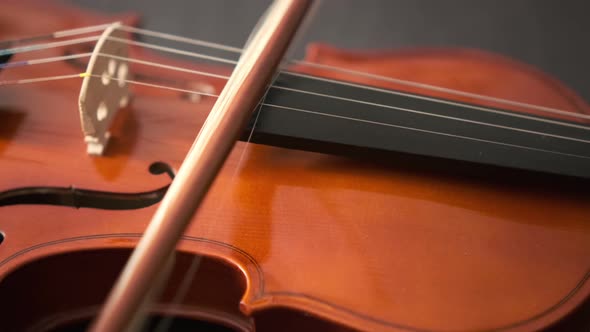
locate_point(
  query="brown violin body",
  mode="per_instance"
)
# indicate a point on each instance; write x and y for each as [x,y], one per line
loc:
[290,239]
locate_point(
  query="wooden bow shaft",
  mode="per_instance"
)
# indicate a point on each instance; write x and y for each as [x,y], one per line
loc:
[227,119]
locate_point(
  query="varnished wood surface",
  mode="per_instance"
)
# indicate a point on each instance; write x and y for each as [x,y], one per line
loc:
[371,245]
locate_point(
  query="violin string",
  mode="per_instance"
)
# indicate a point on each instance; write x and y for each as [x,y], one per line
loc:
[82,75]
[44,46]
[57,34]
[536,107]
[41,79]
[181,39]
[44,60]
[423,130]
[449,102]
[299,62]
[81,31]
[110,56]
[425,86]
[152,85]
[432,114]
[172,50]
[163,66]
[196,72]
[219,59]
[35,80]
[327,67]
[82,40]
[302,110]
[344,117]
[219,46]
[431,87]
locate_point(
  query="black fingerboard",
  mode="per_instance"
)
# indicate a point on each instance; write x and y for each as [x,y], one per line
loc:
[331,116]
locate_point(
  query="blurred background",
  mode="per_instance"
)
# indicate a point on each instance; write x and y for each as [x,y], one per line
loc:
[550,34]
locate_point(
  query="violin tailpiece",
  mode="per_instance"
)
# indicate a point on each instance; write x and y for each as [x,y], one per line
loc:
[104,89]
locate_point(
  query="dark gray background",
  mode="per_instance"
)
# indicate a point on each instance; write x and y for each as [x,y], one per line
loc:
[551,34]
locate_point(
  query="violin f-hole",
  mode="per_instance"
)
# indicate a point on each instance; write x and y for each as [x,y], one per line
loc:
[85,198]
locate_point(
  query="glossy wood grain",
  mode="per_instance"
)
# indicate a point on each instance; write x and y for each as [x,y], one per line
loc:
[393,245]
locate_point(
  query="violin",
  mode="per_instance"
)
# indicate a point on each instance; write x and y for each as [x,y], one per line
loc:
[436,189]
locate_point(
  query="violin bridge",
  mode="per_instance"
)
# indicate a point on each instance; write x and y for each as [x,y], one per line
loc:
[104,89]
